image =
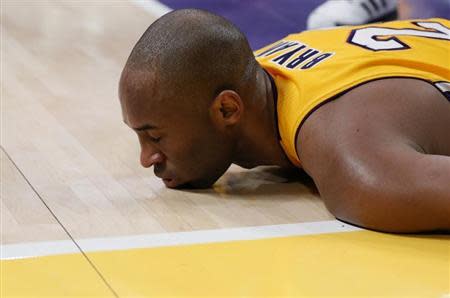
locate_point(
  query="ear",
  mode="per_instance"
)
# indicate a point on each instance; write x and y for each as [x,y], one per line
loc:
[226,109]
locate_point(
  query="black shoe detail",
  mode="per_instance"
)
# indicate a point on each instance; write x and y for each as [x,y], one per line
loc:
[367,9]
[374,4]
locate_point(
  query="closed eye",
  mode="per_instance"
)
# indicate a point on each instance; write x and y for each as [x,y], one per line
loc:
[154,140]
[152,137]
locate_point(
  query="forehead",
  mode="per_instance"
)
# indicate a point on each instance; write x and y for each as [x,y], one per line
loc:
[134,85]
[144,98]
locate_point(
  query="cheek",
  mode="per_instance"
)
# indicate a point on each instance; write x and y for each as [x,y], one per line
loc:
[212,156]
[189,154]
[181,151]
[204,154]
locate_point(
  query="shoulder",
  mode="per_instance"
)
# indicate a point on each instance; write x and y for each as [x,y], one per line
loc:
[350,135]
[380,109]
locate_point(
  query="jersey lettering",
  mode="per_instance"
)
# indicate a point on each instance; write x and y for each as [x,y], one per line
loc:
[303,57]
[300,56]
[278,47]
[283,58]
[385,39]
[317,60]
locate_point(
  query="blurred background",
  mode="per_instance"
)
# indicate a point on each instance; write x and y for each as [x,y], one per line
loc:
[265,21]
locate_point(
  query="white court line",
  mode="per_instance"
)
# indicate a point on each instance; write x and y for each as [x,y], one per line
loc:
[156,8]
[27,250]
[37,249]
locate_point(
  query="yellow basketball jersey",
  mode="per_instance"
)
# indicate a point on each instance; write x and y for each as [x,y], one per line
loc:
[313,67]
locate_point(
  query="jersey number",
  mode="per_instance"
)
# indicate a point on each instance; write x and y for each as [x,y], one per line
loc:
[383,39]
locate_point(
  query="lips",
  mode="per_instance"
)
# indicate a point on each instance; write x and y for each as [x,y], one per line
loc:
[169,182]
[166,177]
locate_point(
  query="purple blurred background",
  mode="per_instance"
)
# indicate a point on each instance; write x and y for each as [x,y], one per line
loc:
[265,21]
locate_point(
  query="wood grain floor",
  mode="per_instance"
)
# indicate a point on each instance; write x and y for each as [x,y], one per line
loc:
[68,161]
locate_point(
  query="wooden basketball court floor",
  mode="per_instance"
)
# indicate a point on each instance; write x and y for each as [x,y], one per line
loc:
[80,218]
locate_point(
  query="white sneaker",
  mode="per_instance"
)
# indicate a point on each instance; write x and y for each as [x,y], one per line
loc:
[351,12]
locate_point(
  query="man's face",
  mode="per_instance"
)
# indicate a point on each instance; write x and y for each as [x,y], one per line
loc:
[178,139]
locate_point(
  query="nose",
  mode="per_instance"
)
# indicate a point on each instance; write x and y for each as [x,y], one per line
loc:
[151,156]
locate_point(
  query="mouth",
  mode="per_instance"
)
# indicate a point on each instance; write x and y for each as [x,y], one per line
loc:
[170,183]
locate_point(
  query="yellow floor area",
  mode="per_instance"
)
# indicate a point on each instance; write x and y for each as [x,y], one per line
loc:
[350,264]
[51,276]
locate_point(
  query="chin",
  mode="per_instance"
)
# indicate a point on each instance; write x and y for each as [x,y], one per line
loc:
[195,185]
[247,165]
[204,183]
[198,183]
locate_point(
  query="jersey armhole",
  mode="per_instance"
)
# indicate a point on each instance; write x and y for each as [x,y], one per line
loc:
[442,86]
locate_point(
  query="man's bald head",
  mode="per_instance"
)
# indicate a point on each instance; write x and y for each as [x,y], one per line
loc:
[191,54]
[184,90]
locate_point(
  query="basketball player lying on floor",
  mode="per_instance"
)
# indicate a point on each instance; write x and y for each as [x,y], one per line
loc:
[363,110]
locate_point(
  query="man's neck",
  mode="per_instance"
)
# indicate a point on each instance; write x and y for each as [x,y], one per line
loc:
[259,143]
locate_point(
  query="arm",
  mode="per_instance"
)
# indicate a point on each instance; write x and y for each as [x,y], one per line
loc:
[379,156]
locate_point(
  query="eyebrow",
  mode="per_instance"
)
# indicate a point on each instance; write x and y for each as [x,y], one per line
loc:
[144,127]
[141,128]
